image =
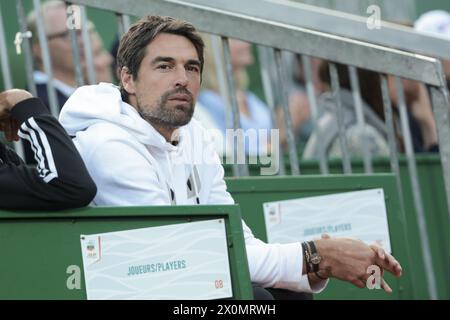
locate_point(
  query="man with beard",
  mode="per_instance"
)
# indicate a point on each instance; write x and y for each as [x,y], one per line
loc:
[142,148]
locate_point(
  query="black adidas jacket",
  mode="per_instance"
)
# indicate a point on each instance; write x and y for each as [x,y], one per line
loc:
[60,179]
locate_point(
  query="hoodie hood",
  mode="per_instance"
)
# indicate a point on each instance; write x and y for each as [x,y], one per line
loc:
[90,105]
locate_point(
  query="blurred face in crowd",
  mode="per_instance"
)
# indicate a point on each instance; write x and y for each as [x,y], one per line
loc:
[102,59]
[241,53]
[58,39]
[167,83]
[59,44]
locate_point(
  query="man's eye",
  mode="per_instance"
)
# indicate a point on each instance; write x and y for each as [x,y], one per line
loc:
[163,67]
[193,69]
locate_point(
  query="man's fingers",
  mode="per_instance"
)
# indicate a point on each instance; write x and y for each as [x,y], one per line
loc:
[397,268]
[359,283]
[385,286]
[7,129]
[389,263]
[379,250]
[15,129]
[386,260]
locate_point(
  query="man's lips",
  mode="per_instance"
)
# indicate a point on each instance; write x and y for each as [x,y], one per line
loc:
[181,97]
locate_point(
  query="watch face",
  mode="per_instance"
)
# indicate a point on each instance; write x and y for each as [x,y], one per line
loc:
[315,258]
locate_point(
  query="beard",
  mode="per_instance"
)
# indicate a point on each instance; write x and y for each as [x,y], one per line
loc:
[174,116]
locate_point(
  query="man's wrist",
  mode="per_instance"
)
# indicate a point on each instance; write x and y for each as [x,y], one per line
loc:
[15,96]
[324,265]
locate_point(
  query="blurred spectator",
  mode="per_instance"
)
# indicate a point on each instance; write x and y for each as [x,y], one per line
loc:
[327,133]
[58,37]
[421,120]
[436,23]
[60,49]
[299,108]
[254,114]
[102,59]
[59,45]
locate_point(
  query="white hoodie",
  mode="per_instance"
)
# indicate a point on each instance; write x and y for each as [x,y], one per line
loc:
[132,164]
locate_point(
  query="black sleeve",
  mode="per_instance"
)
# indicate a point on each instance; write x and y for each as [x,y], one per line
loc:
[60,179]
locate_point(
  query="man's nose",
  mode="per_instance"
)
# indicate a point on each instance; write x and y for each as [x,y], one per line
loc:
[181,78]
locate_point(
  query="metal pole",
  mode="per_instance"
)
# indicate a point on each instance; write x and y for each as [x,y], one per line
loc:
[412,168]
[7,78]
[87,47]
[75,53]
[222,79]
[123,22]
[311,92]
[354,82]
[224,92]
[389,122]
[126,22]
[441,110]
[6,70]
[26,48]
[243,168]
[47,64]
[335,86]
[282,76]
[264,62]
[393,156]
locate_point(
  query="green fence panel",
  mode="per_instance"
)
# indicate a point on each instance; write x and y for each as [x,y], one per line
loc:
[250,193]
[435,207]
[37,248]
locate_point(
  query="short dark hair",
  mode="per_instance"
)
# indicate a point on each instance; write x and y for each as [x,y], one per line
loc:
[133,44]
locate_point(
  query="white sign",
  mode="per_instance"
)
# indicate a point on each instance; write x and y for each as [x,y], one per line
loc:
[182,261]
[360,214]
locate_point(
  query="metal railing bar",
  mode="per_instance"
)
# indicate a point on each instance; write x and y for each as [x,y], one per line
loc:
[285,37]
[282,76]
[46,59]
[417,196]
[310,91]
[240,146]
[88,54]
[336,89]
[357,100]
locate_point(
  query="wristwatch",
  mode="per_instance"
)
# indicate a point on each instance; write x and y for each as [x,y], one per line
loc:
[314,257]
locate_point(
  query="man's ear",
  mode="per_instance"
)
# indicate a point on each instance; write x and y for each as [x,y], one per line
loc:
[126,78]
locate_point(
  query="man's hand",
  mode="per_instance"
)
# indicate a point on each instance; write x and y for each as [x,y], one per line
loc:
[348,260]
[8,99]
[10,127]
[384,258]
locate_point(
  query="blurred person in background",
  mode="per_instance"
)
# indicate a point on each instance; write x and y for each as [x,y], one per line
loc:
[421,120]
[103,60]
[436,23]
[60,49]
[299,106]
[254,113]
[373,134]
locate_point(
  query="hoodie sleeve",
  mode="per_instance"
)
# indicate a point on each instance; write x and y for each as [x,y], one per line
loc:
[271,265]
[60,179]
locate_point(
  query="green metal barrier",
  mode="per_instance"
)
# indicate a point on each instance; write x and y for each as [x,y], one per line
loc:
[435,207]
[251,193]
[37,248]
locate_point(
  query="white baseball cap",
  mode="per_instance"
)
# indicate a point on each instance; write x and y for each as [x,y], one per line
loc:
[436,22]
